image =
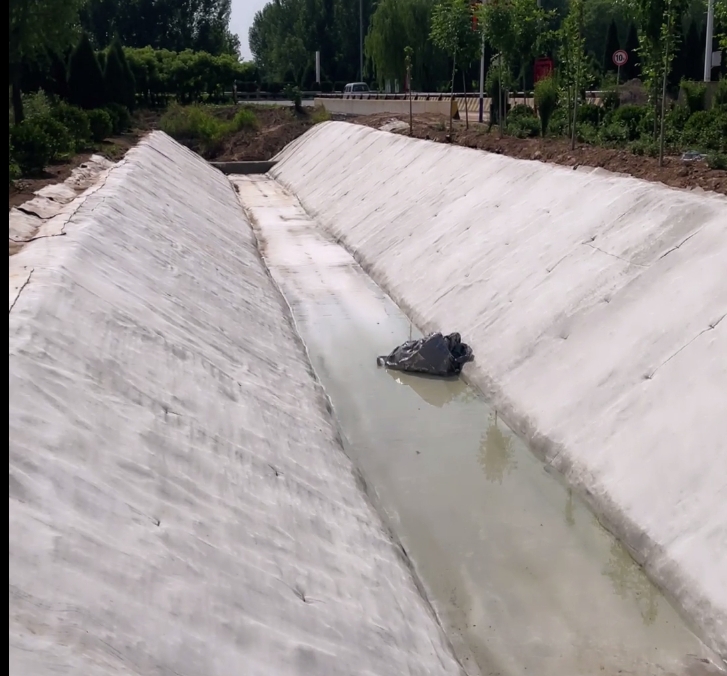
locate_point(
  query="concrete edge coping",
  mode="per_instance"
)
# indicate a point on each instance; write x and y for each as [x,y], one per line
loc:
[245,167]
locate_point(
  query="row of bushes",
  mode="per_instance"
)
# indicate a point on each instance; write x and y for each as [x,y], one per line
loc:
[687,125]
[204,128]
[325,87]
[147,76]
[56,130]
[187,76]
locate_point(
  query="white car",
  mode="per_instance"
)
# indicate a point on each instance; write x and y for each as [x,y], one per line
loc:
[356,88]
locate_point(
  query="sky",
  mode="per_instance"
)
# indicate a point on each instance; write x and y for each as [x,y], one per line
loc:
[243,12]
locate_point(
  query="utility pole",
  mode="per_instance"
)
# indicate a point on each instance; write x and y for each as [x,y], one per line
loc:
[360,40]
[708,45]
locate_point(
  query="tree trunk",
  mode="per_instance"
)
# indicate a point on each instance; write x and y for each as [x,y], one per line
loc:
[500,115]
[663,89]
[466,111]
[451,98]
[18,113]
[575,116]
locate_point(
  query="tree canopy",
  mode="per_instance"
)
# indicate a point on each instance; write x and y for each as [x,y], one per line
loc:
[200,25]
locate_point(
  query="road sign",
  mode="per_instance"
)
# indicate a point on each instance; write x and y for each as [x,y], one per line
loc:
[620,57]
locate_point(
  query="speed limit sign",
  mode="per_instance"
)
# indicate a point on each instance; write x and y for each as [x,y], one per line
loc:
[620,57]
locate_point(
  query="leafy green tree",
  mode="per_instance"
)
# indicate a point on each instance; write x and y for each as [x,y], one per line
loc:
[404,21]
[574,70]
[200,25]
[720,20]
[452,32]
[496,19]
[530,33]
[613,44]
[118,78]
[36,28]
[86,87]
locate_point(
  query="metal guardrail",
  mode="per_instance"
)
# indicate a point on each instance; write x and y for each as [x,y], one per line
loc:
[416,96]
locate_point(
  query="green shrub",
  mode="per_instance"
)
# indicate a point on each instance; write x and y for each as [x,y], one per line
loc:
[32,149]
[14,172]
[717,161]
[101,125]
[632,117]
[120,117]
[194,123]
[590,113]
[75,121]
[587,133]
[695,95]
[85,78]
[62,144]
[244,119]
[706,130]
[519,111]
[614,134]
[720,93]
[523,126]
[546,101]
[693,128]
[558,123]
[645,146]
[37,104]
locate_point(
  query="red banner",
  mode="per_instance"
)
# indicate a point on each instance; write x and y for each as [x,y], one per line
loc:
[542,68]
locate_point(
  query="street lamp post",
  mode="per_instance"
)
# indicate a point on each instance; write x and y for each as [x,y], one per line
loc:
[360,39]
[708,45]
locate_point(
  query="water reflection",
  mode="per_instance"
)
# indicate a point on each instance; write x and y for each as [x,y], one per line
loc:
[436,392]
[496,452]
[629,580]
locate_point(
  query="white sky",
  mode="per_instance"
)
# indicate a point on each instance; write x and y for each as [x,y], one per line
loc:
[243,12]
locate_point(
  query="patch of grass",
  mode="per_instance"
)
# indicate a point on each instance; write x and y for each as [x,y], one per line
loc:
[244,119]
[320,114]
[199,126]
[194,123]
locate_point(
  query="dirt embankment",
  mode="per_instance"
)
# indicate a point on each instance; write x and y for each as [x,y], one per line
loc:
[278,126]
[275,128]
[675,172]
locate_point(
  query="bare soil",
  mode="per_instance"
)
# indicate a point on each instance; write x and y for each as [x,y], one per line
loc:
[278,126]
[114,149]
[674,172]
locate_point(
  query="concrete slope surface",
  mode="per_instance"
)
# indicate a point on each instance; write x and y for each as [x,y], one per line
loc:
[179,499]
[595,305]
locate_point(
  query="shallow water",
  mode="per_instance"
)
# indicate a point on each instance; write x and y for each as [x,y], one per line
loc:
[521,574]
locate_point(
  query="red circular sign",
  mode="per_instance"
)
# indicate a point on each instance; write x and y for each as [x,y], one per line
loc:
[620,57]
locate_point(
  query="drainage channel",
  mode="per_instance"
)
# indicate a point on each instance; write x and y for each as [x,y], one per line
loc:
[519,571]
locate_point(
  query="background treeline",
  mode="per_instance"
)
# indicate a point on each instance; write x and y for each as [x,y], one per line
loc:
[286,33]
[78,68]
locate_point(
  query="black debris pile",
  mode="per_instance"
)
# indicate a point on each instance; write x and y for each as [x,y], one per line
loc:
[435,355]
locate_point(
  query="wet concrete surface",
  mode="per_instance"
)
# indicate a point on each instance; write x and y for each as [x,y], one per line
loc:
[521,574]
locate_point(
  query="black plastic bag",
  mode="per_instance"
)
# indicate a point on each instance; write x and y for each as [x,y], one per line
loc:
[435,354]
